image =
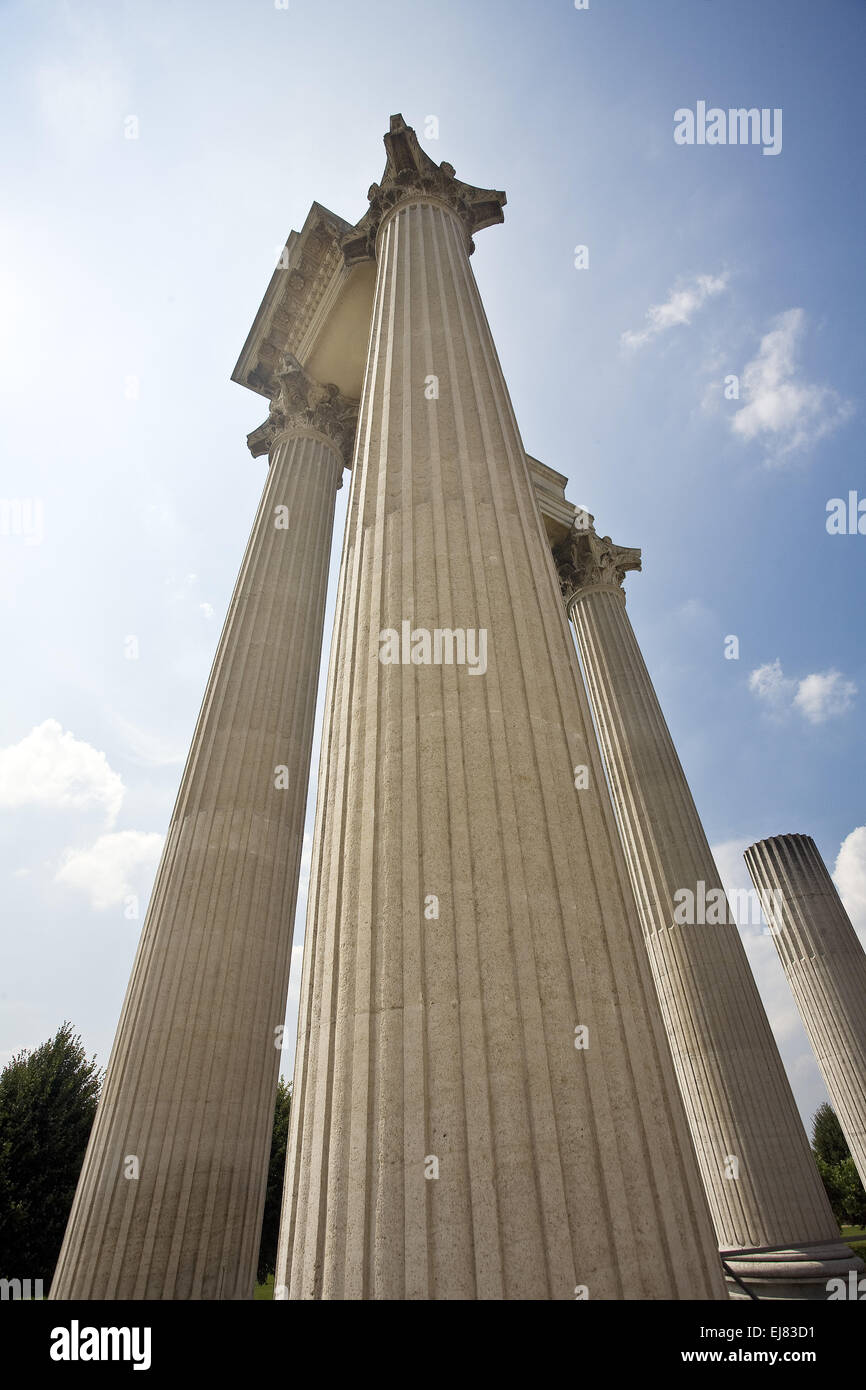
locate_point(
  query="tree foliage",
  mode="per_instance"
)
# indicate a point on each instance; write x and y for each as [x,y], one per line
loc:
[836,1166]
[828,1141]
[276,1171]
[47,1102]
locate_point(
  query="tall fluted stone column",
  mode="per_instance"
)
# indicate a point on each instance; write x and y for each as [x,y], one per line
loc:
[170,1199]
[826,969]
[758,1171]
[484,1105]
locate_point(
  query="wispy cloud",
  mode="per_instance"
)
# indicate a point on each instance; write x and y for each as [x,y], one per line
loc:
[144,747]
[693,611]
[781,407]
[817,697]
[683,301]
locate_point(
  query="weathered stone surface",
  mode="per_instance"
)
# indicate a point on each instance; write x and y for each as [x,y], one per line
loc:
[758,1171]
[470,912]
[190,1086]
[826,969]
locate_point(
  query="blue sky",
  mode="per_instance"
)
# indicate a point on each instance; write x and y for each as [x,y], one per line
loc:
[130,272]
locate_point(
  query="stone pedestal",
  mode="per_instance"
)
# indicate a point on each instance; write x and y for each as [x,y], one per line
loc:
[484,1103]
[758,1171]
[826,969]
[169,1203]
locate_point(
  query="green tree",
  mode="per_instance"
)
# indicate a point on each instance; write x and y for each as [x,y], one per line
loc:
[851,1192]
[828,1141]
[837,1168]
[47,1103]
[276,1171]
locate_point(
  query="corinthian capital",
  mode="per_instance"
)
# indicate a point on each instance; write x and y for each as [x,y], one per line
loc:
[587,561]
[300,402]
[410,174]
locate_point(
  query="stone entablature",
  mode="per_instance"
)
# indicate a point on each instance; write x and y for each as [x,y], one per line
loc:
[309,263]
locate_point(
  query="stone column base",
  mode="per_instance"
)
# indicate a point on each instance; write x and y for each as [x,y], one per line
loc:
[801,1272]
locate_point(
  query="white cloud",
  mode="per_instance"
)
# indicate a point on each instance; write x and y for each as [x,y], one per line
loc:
[771,685]
[823,695]
[787,411]
[109,869]
[54,769]
[207,609]
[849,876]
[682,302]
[818,697]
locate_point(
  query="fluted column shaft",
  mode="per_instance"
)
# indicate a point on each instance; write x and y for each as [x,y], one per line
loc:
[758,1170]
[449,1139]
[190,1086]
[826,968]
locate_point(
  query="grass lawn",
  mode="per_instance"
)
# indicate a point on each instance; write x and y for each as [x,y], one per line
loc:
[855,1237]
[265,1290]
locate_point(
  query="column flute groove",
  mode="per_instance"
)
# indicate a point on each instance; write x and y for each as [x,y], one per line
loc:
[737,1097]
[545,1165]
[189,1090]
[825,966]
